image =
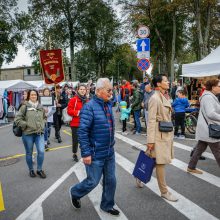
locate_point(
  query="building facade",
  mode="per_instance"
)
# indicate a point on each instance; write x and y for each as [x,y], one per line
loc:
[26,73]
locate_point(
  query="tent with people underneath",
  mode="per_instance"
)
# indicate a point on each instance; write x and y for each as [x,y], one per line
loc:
[208,66]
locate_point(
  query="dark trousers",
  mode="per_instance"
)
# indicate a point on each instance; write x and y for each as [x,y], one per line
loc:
[74,139]
[179,121]
[200,148]
[57,124]
[124,123]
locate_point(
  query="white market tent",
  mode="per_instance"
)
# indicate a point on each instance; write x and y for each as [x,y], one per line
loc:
[209,66]
[40,84]
[15,85]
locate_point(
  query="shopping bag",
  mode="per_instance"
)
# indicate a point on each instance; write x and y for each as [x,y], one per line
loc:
[144,167]
[65,116]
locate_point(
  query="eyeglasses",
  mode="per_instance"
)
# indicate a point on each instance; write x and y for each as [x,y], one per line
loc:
[108,90]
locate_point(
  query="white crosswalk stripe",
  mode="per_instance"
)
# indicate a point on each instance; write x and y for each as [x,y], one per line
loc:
[212,179]
[95,195]
[187,148]
[184,206]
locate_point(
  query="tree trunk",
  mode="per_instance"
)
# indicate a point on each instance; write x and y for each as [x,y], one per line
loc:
[72,62]
[207,30]
[173,47]
[199,28]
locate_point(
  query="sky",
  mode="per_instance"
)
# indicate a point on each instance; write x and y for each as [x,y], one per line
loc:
[23,57]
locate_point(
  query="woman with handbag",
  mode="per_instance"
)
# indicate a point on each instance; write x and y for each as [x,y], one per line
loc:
[208,125]
[73,109]
[160,132]
[31,118]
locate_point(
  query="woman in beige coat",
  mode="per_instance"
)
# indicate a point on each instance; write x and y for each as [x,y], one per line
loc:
[160,144]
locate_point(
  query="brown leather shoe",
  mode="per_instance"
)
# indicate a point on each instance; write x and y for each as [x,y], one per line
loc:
[194,171]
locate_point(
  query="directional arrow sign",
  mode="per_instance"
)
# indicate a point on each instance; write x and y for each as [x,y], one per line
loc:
[143,45]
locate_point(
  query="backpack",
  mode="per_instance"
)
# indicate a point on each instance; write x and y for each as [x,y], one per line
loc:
[17,129]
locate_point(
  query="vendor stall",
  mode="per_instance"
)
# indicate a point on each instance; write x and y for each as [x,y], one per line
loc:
[199,72]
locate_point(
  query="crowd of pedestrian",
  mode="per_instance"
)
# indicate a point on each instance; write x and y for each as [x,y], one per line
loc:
[93,128]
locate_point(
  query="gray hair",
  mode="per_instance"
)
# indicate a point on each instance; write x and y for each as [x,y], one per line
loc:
[101,83]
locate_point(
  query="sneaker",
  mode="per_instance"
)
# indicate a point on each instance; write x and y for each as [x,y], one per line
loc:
[124,133]
[169,196]
[41,174]
[75,202]
[175,136]
[46,147]
[137,133]
[182,137]
[194,171]
[112,211]
[75,158]
[32,173]
[139,184]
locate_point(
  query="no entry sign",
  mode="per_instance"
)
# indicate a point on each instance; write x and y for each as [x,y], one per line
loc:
[143,64]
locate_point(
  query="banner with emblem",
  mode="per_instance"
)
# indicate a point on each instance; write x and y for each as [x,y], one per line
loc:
[52,66]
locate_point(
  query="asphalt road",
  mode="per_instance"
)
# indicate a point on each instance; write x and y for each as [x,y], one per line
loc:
[37,199]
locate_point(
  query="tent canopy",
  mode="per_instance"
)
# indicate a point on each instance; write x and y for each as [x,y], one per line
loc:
[14,85]
[40,84]
[209,66]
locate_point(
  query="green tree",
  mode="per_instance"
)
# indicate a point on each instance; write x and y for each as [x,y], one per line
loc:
[101,34]
[10,34]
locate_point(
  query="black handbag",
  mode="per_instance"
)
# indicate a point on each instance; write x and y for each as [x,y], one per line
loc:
[17,130]
[165,126]
[214,130]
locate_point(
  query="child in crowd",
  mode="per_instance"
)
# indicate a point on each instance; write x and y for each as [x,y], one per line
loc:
[179,106]
[124,115]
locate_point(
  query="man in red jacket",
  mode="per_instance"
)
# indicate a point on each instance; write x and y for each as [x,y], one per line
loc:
[75,105]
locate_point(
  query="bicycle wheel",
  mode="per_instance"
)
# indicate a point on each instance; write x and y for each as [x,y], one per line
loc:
[191,123]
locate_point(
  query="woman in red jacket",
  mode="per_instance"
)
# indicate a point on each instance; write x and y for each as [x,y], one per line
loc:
[75,105]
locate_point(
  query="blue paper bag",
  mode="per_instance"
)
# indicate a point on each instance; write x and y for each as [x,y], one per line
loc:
[144,167]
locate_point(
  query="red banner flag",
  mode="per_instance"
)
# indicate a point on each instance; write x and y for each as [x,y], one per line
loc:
[52,66]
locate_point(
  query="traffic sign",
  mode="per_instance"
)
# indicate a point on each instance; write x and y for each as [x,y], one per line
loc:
[143,31]
[143,64]
[143,55]
[143,45]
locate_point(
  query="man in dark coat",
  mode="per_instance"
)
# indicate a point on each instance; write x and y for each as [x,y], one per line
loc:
[96,138]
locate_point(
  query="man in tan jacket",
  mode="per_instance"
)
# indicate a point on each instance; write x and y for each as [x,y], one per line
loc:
[160,144]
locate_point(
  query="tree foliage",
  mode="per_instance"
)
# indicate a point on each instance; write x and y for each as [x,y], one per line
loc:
[10,34]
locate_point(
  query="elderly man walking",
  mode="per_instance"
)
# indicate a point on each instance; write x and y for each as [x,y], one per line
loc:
[96,138]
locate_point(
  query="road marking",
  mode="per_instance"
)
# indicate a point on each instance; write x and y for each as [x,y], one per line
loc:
[212,179]
[36,206]
[184,205]
[2,206]
[4,126]
[22,155]
[187,148]
[96,194]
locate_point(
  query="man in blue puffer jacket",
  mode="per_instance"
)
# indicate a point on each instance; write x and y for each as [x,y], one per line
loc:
[179,105]
[96,139]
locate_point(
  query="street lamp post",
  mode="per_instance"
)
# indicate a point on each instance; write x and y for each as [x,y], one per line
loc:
[118,66]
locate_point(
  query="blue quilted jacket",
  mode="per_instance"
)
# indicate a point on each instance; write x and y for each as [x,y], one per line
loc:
[94,133]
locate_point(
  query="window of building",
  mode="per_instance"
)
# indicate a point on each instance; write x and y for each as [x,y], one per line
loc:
[29,71]
[35,72]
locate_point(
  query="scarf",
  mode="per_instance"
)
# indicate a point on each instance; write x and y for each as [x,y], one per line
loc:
[82,98]
[33,104]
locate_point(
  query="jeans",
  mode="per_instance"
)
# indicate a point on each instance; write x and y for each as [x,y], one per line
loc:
[47,130]
[29,141]
[137,114]
[95,170]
